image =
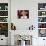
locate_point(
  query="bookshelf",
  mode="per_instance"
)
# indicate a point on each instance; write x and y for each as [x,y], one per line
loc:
[4,19]
[42,19]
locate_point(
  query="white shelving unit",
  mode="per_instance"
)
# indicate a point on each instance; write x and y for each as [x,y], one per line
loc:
[4,22]
[3,16]
[41,10]
[41,22]
[4,12]
[41,17]
[41,28]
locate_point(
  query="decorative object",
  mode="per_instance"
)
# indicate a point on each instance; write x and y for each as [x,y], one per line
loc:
[23,14]
[42,25]
[41,6]
[13,27]
[42,32]
[31,27]
[41,19]
[6,7]
[4,29]
[43,13]
[3,19]
[3,6]
[23,40]
[3,13]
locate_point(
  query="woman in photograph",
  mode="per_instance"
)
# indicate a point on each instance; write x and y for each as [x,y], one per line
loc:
[23,14]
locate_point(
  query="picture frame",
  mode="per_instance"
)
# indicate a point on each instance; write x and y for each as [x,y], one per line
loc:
[23,14]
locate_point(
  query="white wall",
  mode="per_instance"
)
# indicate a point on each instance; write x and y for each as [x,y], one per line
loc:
[22,24]
[5,39]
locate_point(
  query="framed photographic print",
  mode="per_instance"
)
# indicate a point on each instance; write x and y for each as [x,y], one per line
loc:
[23,14]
